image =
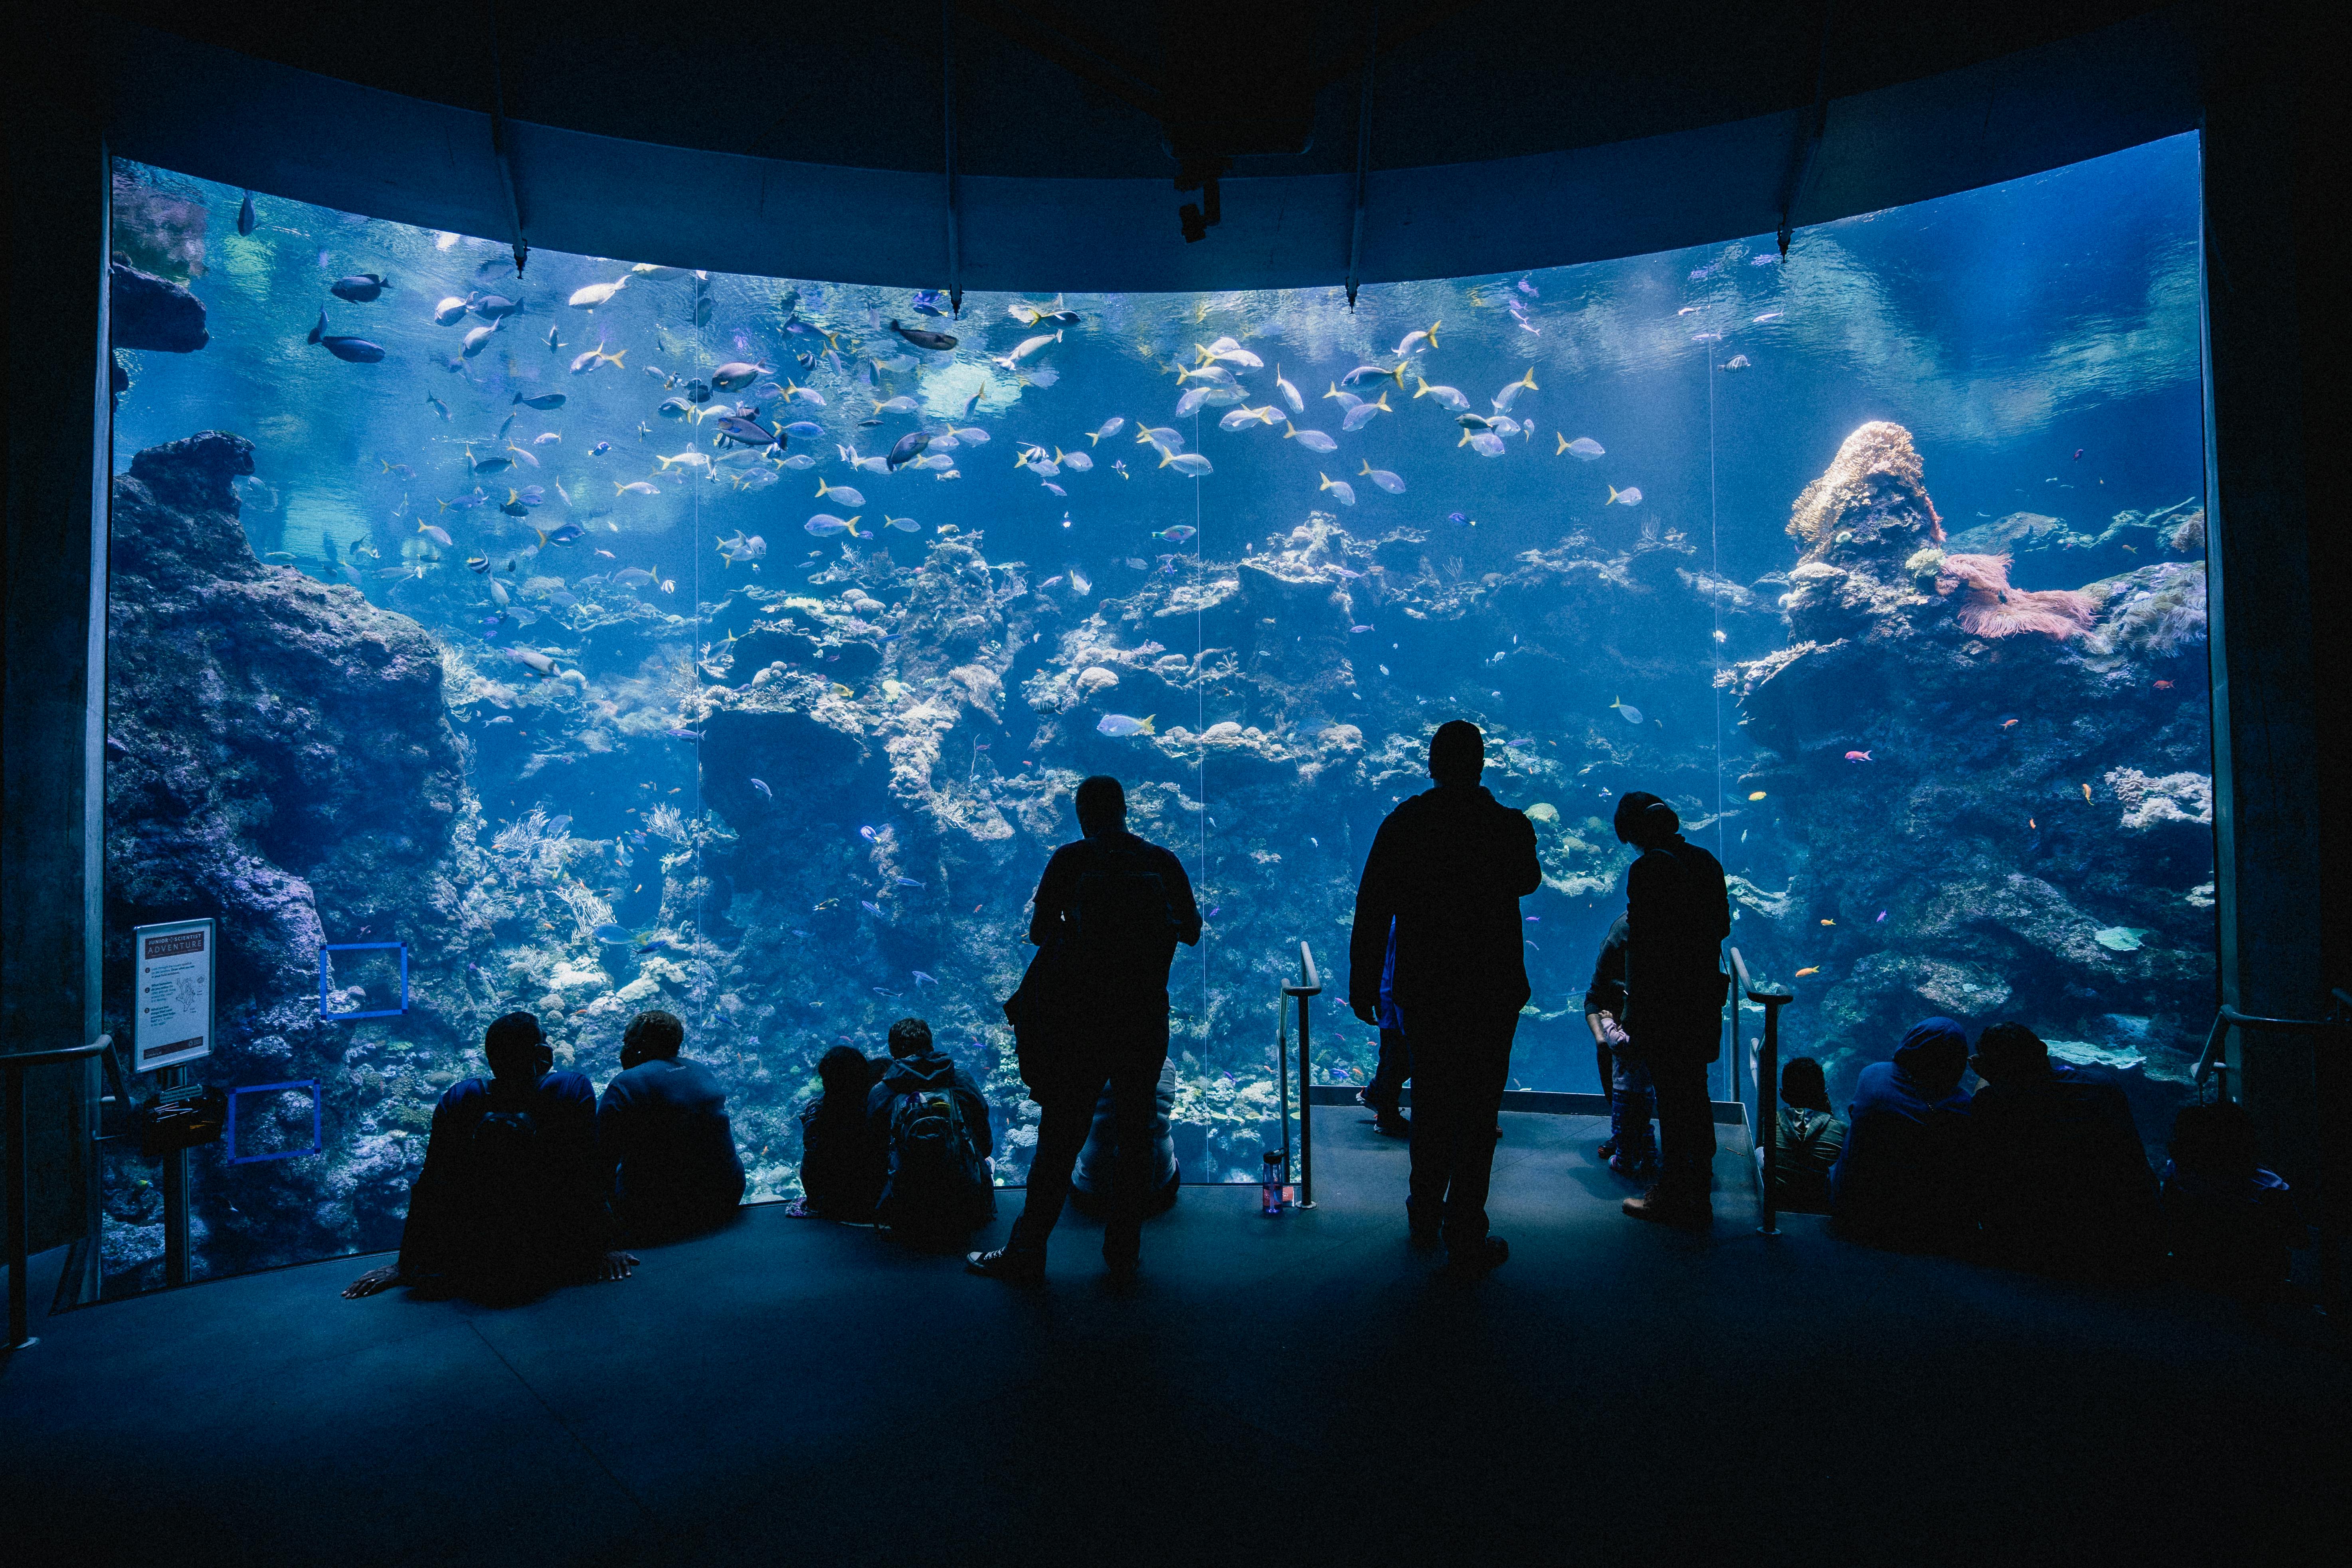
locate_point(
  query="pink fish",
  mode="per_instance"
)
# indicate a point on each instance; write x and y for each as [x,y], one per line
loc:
[1857,756]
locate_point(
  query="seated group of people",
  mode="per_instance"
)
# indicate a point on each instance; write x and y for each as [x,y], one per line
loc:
[2040,1168]
[871,1143]
[533,1179]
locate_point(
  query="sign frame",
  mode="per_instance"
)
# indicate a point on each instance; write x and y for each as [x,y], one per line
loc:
[173,992]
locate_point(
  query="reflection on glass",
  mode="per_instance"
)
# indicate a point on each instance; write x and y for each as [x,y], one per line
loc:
[617,636]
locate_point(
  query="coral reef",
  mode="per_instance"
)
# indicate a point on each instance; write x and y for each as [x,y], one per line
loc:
[1964,810]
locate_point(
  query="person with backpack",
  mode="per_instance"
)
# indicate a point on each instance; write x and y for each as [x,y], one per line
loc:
[1091,1011]
[1677,914]
[1810,1139]
[930,1122]
[511,1198]
[1445,874]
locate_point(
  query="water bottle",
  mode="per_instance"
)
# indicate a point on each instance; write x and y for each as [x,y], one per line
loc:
[1271,1191]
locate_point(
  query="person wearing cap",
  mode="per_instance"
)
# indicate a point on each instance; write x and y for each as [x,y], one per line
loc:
[1677,913]
[511,1198]
[1445,874]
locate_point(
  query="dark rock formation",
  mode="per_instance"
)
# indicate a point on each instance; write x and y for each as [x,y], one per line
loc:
[281,761]
[145,311]
[1988,809]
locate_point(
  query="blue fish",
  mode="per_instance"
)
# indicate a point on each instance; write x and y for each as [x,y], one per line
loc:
[611,935]
[922,979]
[871,907]
[908,882]
[680,734]
[761,785]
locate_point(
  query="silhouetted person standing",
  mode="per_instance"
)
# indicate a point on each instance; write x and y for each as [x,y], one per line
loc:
[1677,912]
[1449,867]
[1109,912]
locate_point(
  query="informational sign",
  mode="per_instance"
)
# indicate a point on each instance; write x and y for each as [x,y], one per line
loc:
[172,1003]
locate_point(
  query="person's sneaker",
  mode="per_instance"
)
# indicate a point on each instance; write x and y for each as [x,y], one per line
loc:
[1608,1149]
[1644,1170]
[1013,1268]
[1392,1125]
[1661,1207]
[1489,1254]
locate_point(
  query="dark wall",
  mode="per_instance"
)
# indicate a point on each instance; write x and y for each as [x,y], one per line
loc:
[51,574]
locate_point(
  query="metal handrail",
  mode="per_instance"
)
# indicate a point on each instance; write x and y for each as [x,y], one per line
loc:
[13,1066]
[1310,983]
[2229,1017]
[1768,1089]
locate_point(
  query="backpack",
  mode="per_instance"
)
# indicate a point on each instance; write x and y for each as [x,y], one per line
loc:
[936,1179]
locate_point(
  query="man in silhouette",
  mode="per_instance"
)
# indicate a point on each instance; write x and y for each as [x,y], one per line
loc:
[1449,867]
[662,1132]
[1109,913]
[511,1198]
[1677,912]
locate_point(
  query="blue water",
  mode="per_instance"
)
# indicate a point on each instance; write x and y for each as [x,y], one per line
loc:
[2039,341]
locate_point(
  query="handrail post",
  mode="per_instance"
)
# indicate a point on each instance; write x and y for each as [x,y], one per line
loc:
[1310,983]
[19,1224]
[1768,1091]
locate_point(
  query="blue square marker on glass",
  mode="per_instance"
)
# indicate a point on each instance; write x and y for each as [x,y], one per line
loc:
[228,1136]
[326,978]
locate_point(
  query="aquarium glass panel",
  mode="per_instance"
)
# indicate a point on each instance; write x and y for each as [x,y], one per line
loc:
[612,636]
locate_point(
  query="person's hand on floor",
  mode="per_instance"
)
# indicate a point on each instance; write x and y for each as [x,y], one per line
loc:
[373,1282]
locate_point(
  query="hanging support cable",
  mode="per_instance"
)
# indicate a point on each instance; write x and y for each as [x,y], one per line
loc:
[948,120]
[1808,140]
[1364,160]
[498,146]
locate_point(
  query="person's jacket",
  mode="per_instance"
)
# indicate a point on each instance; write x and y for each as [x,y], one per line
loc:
[2062,1175]
[1904,1178]
[1677,913]
[1809,1142]
[933,1072]
[450,1211]
[1449,867]
[1606,992]
[662,1131]
[841,1160]
[1137,981]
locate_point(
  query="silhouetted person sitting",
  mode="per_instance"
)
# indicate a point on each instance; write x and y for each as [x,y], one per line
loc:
[841,1157]
[930,1122]
[1904,1178]
[2062,1180]
[511,1198]
[1097,1170]
[1624,1076]
[1810,1139]
[2228,1222]
[1093,1010]
[663,1131]
[1448,869]
[1677,912]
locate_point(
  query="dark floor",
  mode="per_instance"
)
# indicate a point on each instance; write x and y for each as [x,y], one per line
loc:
[1300,1390]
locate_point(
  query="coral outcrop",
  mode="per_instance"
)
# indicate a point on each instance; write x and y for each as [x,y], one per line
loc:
[1972,781]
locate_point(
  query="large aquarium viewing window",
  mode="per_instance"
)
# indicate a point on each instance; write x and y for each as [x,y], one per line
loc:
[613,636]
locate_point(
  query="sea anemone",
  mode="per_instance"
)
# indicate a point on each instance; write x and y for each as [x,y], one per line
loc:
[1989,607]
